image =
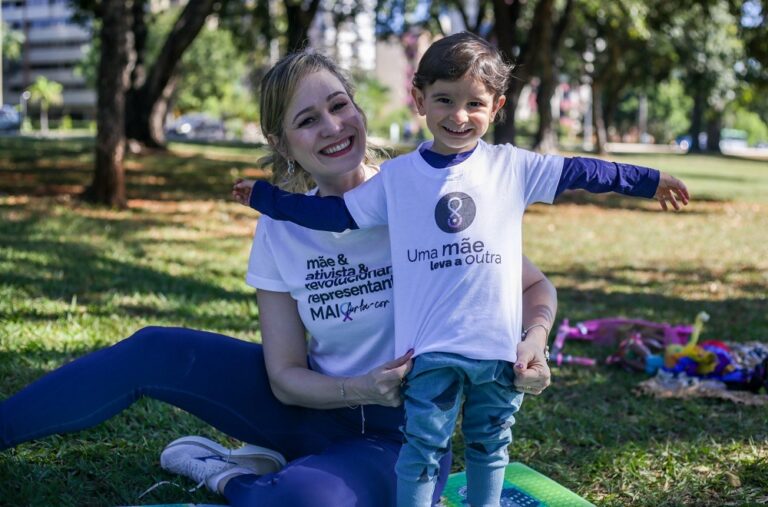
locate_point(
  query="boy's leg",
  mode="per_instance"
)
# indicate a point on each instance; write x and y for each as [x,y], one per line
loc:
[488,416]
[432,399]
[219,379]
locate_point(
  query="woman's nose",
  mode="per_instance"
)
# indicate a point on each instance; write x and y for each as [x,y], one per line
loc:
[332,124]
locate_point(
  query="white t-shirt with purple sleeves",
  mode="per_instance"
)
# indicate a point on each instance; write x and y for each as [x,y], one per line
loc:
[456,241]
[342,284]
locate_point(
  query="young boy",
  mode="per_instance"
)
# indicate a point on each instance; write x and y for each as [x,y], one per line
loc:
[454,209]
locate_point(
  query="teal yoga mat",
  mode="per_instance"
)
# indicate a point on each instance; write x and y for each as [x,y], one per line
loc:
[523,487]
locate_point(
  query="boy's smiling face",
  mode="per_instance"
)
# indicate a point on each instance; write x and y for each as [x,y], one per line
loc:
[458,112]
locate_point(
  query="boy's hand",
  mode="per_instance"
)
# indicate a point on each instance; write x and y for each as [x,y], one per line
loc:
[671,190]
[241,191]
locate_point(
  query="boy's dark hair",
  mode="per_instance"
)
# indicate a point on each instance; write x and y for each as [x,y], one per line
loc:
[451,57]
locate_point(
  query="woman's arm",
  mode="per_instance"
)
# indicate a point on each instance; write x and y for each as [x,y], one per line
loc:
[539,309]
[293,383]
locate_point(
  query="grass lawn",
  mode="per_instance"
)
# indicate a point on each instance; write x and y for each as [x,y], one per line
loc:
[75,278]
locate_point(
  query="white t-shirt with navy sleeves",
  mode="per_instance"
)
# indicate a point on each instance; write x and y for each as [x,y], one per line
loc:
[456,240]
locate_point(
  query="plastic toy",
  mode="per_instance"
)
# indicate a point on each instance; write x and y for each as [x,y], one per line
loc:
[639,349]
[713,359]
[649,346]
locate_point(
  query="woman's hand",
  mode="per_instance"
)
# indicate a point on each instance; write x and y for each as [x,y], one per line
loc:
[241,191]
[532,373]
[381,386]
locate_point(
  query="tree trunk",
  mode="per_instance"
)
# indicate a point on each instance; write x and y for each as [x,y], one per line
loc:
[546,135]
[714,125]
[504,131]
[598,118]
[43,118]
[147,104]
[108,186]
[545,140]
[611,99]
[697,119]
[506,15]
[299,20]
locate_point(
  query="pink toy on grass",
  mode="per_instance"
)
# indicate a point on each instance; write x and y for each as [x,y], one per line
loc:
[635,333]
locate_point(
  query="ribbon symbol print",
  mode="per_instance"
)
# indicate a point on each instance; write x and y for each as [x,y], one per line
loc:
[455,220]
[346,309]
[454,212]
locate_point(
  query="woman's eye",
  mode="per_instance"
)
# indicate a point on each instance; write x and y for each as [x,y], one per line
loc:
[306,121]
[339,106]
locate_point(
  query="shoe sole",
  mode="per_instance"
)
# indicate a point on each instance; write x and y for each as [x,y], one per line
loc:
[249,456]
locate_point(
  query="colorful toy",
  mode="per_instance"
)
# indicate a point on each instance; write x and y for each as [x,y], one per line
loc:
[640,350]
[649,346]
[714,360]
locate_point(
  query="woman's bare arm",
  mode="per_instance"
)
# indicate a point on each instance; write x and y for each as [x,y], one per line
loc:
[293,383]
[539,309]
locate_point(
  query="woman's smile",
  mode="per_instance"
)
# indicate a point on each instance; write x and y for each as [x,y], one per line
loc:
[339,149]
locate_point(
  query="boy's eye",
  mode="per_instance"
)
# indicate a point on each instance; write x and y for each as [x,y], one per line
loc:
[443,100]
[475,104]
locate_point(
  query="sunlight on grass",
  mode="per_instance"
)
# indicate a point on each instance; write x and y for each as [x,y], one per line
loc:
[75,278]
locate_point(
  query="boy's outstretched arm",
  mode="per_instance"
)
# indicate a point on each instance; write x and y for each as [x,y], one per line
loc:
[598,176]
[310,211]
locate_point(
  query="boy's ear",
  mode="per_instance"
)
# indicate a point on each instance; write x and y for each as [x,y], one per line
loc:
[498,105]
[418,99]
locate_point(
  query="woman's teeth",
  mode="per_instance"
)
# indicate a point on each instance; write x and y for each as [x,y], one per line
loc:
[337,147]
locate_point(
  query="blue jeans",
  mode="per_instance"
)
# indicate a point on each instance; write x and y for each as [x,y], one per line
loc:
[224,382]
[434,391]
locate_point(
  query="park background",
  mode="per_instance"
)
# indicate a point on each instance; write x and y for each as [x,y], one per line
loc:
[97,240]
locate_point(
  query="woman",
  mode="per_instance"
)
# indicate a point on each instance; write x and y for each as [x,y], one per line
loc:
[331,407]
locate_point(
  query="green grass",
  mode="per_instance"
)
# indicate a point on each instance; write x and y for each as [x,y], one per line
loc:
[74,278]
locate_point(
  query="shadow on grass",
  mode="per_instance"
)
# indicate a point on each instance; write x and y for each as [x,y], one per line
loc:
[616,201]
[735,318]
[64,167]
[57,268]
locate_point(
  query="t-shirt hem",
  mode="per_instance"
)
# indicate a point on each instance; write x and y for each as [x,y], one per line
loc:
[259,282]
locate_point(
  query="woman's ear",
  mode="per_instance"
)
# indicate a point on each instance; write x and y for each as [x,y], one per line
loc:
[275,143]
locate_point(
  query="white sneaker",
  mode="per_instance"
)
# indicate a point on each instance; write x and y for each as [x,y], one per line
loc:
[201,459]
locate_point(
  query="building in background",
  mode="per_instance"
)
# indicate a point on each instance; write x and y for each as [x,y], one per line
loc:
[53,47]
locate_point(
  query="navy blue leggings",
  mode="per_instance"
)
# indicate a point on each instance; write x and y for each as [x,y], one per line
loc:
[222,381]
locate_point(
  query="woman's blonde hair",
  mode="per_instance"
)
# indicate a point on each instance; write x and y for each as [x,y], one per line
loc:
[277,89]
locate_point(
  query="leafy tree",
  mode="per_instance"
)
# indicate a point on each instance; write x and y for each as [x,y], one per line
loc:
[750,122]
[211,71]
[11,43]
[706,39]
[46,93]
[616,49]
[526,33]
[669,111]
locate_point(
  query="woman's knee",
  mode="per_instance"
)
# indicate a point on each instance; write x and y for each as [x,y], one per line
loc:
[295,486]
[153,341]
